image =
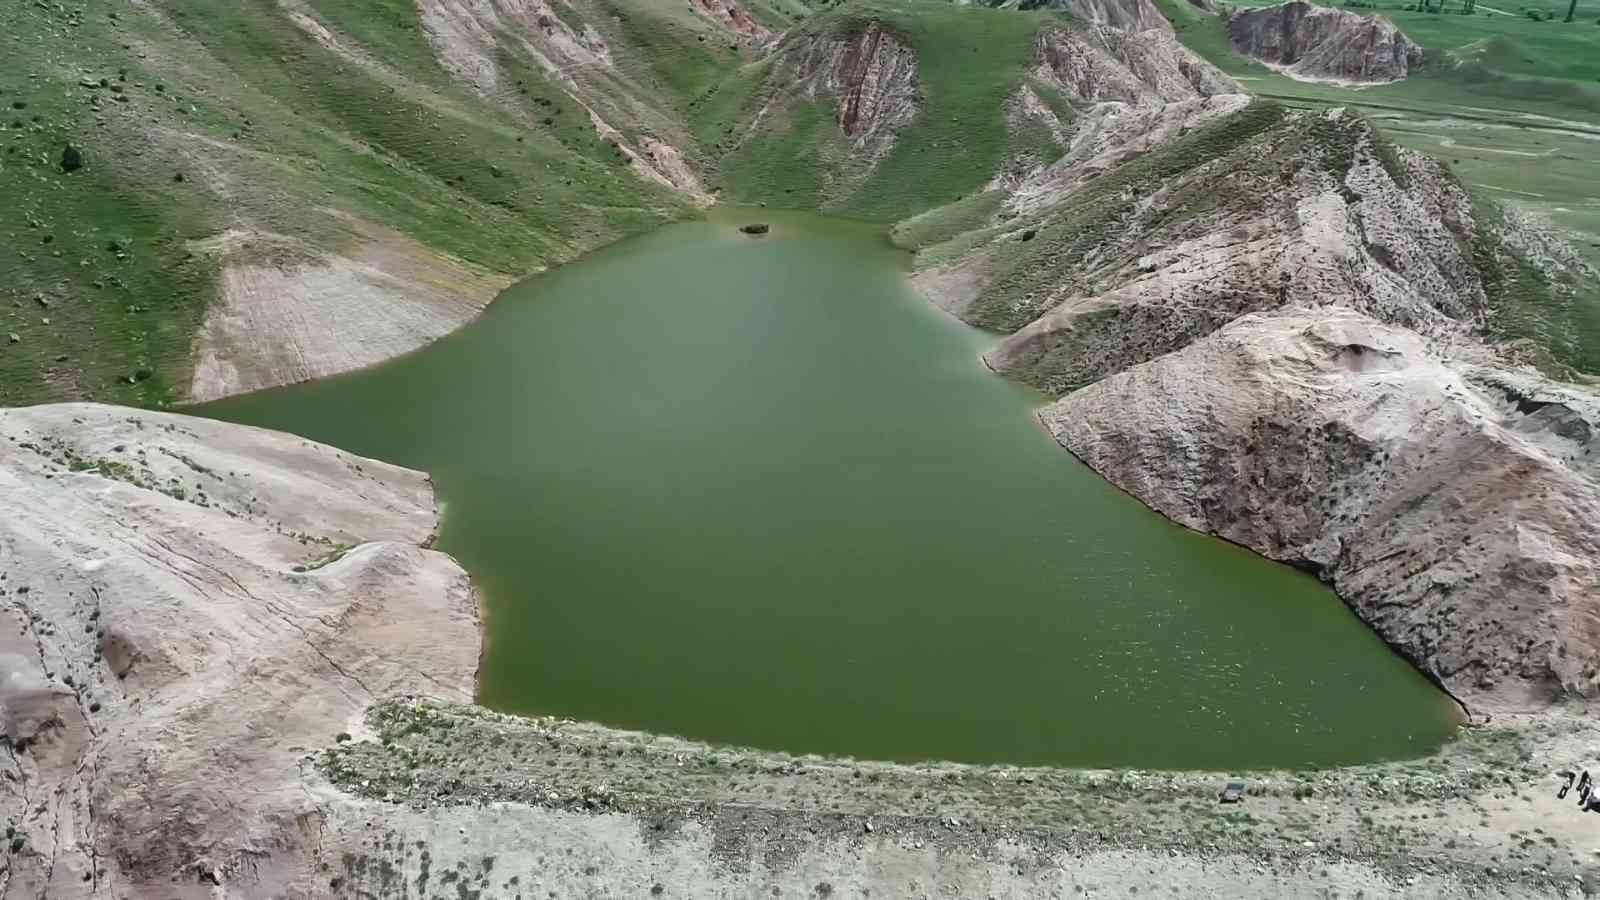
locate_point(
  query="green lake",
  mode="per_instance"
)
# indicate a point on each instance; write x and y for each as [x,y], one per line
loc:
[757,491]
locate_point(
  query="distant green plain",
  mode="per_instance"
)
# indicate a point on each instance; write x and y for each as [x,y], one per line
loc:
[1510,105]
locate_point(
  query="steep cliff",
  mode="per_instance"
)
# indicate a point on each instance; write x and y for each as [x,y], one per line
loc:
[1451,504]
[870,77]
[733,16]
[370,172]
[1250,213]
[1145,68]
[219,640]
[1323,43]
[476,39]
[1266,326]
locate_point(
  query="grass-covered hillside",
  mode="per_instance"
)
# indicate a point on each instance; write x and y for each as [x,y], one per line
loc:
[970,60]
[149,150]
[319,121]
[1510,102]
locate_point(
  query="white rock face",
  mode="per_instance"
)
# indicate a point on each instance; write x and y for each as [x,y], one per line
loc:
[1142,68]
[470,38]
[1453,507]
[1129,15]
[1261,225]
[1109,134]
[1249,312]
[315,314]
[189,607]
[1129,91]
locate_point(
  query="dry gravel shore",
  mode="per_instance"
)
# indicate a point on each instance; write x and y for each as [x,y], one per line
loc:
[575,809]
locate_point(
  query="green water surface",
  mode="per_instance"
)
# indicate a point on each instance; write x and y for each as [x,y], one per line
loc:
[757,491]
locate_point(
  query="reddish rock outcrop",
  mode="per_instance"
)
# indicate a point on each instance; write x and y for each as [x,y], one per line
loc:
[733,17]
[872,77]
[1322,43]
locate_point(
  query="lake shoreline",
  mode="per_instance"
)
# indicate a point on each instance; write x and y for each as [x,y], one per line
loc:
[1164,634]
[702,819]
[1468,716]
[350,790]
[1448,825]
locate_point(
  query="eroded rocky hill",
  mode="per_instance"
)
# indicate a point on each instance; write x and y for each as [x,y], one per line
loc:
[1127,15]
[1267,325]
[263,193]
[1321,43]
[189,606]
[1450,502]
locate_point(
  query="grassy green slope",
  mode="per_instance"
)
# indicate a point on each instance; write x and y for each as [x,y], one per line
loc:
[1095,218]
[1486,61]
[1512,106]
[969,60]
[266,128]
[233,117]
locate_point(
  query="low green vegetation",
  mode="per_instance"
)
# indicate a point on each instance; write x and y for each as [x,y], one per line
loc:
[948,222]
[191,120]
[132,141]
[1096,217]
[1487,62]
[1557,316]
[1511,104]
[969,62]
[786,164]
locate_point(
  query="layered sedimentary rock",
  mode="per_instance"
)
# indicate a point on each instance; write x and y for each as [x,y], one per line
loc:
[871,77]
[474,38]
[1453,506]
[1262,225]
[1321,42]
[1146,68]
[189,607]
[285,313]
[1267,325]
[1127,92]
[731,15]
